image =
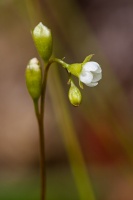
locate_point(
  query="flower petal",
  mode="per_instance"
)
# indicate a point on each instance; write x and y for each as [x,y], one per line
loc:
[92,84]
[96,77]
[86,77]
[99,70]
[91,66]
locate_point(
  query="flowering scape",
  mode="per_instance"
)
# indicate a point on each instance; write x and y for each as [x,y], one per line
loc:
[88,72]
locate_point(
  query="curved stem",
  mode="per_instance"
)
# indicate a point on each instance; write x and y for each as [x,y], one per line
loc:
[52,60]
[59,61]
[40,119]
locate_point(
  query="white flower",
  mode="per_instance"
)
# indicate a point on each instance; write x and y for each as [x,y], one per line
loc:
[91,73]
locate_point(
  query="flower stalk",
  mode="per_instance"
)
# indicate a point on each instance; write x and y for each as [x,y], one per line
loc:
[40,120]
[87,72]
[42,150]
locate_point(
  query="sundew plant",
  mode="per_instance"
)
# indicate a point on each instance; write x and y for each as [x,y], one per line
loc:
[88,73]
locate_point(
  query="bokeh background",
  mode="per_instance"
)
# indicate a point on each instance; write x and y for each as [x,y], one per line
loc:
[95,139]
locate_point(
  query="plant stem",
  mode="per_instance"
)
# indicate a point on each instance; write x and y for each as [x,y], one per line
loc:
[59,61]
[42,158]
[40,119]
[41,136]
[42,150]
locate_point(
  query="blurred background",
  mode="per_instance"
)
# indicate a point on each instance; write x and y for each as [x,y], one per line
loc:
[89,148]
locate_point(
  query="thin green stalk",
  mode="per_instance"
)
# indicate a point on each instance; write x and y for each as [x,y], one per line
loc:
[44,86]
[42,150]
[59,61]
[52,60]
[42,158]
[40,120]
[41,135]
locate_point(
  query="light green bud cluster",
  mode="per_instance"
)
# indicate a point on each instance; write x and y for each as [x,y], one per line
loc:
[42,37]
[88,72]
[33,76]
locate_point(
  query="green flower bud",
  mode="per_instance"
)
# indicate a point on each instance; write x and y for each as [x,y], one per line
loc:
[74,95]
[75,69]
[43,41]
[34,78]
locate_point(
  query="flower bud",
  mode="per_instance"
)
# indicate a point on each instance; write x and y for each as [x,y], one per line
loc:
[74,95]
[34,78]
[43,41]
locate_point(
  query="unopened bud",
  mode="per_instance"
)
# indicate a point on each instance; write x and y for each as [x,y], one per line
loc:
[43,41]
[74,95]
[34,78]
